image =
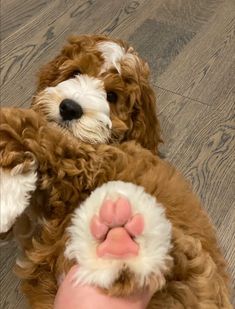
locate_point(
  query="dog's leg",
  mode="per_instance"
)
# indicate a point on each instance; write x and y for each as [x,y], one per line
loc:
[16,184]
[121,239]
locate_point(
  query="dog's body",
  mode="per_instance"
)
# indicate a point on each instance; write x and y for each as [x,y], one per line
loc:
[110,111]
[70,171]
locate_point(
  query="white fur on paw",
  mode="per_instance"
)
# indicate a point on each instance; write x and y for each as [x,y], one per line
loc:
[154,242]
[15,189]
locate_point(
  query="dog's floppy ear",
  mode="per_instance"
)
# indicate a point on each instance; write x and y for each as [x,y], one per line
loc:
[145,125]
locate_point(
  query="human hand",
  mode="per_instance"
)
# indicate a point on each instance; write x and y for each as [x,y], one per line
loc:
[70,296]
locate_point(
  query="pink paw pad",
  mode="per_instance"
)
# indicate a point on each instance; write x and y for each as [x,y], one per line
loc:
[115,227]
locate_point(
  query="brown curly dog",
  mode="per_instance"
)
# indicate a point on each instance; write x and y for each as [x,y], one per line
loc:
[80,184]
[177,244]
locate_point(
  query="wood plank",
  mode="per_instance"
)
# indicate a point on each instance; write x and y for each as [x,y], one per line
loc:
[15,14]
[129,17]
[159,43]
[226,234]
[175,114]
[11,296]
[205,69]
[186,14]
[200,141]
[168,28]
[205,133]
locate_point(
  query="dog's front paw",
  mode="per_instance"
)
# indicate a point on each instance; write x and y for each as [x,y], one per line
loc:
[17,180]
[121,239]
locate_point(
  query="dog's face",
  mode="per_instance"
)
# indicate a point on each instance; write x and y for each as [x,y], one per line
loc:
[97,88]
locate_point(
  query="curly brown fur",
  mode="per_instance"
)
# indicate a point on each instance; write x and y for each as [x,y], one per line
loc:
[70,171]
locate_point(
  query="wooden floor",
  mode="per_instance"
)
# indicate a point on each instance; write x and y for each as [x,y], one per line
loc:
[190,45]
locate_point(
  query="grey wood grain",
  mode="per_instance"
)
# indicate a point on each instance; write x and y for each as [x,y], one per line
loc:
[10,293]
[159,43]
[187,14]
[15,14]
[200,141]
[204,70]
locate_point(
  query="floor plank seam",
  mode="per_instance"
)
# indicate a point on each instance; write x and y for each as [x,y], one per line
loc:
[181,95]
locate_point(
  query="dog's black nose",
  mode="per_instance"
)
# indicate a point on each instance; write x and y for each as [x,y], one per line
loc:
[70,110]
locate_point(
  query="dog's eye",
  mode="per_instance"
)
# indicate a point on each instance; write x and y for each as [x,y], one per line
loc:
[112,97]
[75,73]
